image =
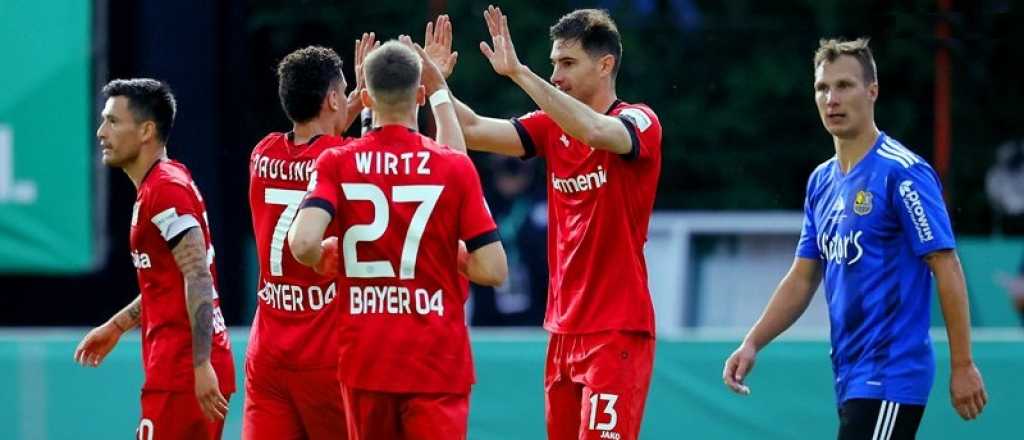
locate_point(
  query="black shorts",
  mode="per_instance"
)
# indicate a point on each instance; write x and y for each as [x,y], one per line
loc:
[873,419]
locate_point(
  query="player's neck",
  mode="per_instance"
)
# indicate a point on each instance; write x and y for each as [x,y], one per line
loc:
[305,131]
[602,101]
[850,151]
[137,169]
[381,119]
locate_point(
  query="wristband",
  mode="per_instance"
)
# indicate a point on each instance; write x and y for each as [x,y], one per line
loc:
[440,97]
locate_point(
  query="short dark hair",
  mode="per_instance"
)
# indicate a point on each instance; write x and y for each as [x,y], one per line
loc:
[392,73]
[596,32]
[304,78]
[832,48]
[148,100]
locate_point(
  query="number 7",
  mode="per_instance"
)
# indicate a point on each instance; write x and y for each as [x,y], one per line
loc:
[291,198]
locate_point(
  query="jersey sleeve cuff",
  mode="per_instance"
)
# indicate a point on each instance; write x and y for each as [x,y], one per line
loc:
[529,148]
[634,149]
[317,202]
[938,246]
[482,240]
[808,254]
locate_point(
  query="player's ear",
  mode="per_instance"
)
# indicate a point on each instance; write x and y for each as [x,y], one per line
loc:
[607,64]
[873,91]
[365,98]
[421,95]
[332,100]
[147,131]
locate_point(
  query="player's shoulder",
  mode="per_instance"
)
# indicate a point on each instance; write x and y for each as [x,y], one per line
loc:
[330,141]
[640,114]
[170,172]
[166,177]
[271,140]
[822,172]
[894,157]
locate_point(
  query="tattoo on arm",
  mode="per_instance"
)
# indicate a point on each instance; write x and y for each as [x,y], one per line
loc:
[190,254]
[130,316]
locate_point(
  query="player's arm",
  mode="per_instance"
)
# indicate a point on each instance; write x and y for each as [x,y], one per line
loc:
[306,236]
[575,118]
[100,341]
[967,389]
[448,131]
[487,265]
[790,300]
[189,249]
[130,316]
[354,105]
[480,133]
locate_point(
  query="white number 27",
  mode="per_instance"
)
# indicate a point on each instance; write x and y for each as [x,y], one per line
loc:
[426,195]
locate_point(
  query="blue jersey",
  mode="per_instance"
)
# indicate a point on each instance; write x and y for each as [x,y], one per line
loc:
[871,229]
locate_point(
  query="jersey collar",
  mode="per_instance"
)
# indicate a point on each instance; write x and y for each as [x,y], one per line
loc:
[612,107]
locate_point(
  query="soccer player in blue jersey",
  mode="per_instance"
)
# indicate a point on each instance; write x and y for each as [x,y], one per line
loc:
[876,229]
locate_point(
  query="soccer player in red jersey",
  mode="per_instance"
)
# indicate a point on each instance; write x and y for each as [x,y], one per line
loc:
[291,373]
[185,348]
[401,203]
[603,160]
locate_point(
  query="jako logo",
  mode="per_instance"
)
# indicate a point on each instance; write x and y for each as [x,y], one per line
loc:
[581,182]
[912,200]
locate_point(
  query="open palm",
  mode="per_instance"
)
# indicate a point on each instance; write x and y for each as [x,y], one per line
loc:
[503,56]
[437,44]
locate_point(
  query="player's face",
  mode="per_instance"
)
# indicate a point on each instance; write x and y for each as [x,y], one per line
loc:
[574,71]
[845,103]
[339,102]
[120,135]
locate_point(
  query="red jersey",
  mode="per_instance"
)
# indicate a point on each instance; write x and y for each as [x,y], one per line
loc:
[402,203]
[599,207]
[168,203]
[292,327]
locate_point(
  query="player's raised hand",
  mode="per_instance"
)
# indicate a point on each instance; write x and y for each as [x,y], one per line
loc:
[967,391]
[364,45]
[437,43]
[328,264]
[737,367]
[211,401]
[97,344]
[503,56]
[431,76]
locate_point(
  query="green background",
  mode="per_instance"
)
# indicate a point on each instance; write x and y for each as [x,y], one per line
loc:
[45,99]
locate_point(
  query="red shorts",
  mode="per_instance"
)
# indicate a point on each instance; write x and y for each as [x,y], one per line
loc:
[174,415]
[282,404]
[376,415]
[595,385]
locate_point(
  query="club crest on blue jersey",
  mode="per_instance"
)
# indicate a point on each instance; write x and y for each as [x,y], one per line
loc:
[862,203]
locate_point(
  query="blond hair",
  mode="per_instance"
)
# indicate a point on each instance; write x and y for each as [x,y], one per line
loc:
[832,48]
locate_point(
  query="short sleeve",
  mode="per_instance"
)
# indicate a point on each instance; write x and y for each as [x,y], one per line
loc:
[476,225]
[916,195]
[173,208]
[807,247]
[324,184]
[533,129]
[644,130]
